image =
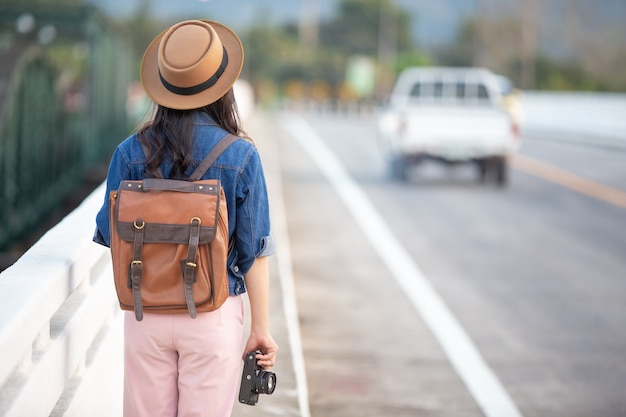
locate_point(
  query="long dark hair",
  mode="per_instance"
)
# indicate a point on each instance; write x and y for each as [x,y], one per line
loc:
[170,132]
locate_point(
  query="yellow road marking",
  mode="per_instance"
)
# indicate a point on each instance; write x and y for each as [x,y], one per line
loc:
[567,179]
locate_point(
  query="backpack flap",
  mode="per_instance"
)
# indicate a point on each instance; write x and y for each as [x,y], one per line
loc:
[151,201]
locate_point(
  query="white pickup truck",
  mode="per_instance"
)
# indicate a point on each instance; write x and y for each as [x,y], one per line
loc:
[452,115]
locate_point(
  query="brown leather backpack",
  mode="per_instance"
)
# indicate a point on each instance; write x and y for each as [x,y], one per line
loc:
[169,242]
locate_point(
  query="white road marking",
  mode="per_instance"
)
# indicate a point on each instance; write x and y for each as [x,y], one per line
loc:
[285,273]
[465,358]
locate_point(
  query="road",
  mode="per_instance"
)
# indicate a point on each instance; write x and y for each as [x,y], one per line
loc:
[534,275]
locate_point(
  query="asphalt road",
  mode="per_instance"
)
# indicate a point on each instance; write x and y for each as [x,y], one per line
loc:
[534,274]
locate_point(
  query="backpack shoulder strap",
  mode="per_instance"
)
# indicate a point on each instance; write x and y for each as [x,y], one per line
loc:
[212,156]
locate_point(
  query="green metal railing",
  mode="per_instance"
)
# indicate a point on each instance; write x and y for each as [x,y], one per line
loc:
[62,109]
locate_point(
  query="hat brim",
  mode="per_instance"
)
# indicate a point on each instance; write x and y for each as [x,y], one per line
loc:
[156,90]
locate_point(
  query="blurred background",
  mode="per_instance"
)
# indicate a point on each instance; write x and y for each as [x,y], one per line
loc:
[534,270]
[68,72]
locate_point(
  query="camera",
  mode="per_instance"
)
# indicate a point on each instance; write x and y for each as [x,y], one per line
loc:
[255,381]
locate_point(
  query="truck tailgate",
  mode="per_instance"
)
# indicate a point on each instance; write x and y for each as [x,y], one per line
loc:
[456,125]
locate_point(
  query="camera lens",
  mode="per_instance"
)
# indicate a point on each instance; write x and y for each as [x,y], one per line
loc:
[265,382]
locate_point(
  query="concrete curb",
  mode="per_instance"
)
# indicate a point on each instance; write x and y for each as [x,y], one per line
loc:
[290,397]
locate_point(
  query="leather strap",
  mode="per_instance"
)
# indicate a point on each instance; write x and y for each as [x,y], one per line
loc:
[212,276]
[208,160]
[134,279]
[212,156]
[189,265]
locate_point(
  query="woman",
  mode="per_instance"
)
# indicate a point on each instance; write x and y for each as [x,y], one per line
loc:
[176,365]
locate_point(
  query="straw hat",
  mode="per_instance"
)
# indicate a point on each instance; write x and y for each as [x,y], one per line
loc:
[192,64]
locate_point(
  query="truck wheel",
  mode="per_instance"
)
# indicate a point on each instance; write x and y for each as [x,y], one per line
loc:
[500,169]
[482,165]
[398,168]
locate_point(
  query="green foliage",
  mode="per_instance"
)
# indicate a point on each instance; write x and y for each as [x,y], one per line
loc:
[276,54]
[552,75]
[563,76]
[32,3]
[142,29]
[413,58]
[500,52]
[459,53]
[360,23]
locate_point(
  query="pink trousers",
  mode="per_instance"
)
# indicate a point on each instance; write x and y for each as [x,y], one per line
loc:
[176,366]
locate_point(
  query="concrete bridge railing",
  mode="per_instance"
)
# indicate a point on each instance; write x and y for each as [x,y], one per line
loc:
[61,346]
[57,305]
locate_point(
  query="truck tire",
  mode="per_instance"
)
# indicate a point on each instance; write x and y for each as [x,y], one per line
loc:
[483,168]
[493,169]
[398,168]
[501,171]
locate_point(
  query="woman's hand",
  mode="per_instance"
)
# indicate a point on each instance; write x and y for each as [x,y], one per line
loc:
[265,344]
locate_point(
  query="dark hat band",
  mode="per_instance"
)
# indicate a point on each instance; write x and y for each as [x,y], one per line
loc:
[188,91]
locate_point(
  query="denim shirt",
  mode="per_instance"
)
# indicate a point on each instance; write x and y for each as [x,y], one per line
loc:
[241,174]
